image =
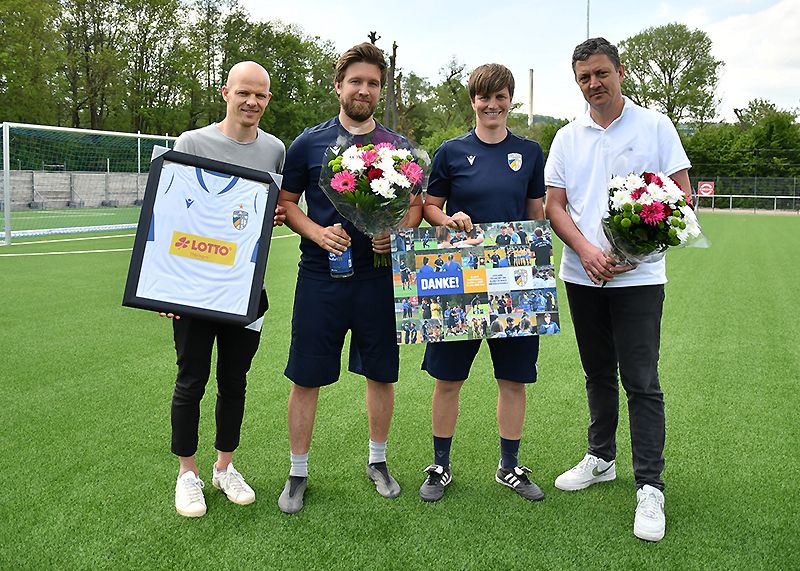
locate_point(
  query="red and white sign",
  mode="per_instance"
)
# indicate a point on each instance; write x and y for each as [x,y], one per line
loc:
[705,188]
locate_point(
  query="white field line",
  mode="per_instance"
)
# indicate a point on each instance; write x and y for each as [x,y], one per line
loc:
[62,253]
[72,239]
[59,214]
[94,251]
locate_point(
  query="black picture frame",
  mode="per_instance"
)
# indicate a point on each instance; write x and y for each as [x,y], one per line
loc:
[130,296]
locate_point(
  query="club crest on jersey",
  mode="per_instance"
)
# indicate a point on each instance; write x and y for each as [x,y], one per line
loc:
[471,158]
[521,277]
[240,219]
[514,161]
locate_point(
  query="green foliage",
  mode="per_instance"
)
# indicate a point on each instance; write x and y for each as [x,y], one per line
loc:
[765,143]
[670,68]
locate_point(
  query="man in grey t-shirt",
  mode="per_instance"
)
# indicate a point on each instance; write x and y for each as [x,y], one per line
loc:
[237,140]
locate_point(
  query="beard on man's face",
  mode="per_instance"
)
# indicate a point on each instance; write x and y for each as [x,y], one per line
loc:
[357,110]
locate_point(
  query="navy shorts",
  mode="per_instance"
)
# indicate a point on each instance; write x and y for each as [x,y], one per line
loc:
[323,313]
[514,358]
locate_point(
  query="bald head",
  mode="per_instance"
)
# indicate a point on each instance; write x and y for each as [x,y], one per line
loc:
[247,95]
[247,69]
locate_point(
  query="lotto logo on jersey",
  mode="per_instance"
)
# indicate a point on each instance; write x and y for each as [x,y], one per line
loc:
[202,248]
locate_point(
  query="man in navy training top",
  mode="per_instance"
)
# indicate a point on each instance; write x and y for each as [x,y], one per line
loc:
[325,307]
[486,175]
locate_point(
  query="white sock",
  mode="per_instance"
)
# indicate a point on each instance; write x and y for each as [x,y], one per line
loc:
[377,452]
[299,465]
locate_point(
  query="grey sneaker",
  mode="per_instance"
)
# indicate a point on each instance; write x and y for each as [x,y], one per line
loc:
[384,483]
[432,488]
[291,498]
[516,478]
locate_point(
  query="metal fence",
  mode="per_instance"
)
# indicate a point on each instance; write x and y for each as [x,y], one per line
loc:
[751,193]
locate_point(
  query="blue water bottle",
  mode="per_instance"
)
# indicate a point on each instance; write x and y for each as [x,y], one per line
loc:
[341,266]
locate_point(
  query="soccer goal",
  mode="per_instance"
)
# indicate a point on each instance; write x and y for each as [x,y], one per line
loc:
[58,180]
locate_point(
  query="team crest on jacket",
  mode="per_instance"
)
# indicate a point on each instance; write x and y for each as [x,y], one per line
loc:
[514,161]
[240,219]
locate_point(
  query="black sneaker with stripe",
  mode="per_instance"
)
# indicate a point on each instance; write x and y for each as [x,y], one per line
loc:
[432,489]
[516,478]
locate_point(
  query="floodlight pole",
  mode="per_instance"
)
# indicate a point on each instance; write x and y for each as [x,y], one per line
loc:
[7,183]
[588,2]
[530,97]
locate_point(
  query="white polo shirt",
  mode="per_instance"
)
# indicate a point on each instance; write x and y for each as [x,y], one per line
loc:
[582,160]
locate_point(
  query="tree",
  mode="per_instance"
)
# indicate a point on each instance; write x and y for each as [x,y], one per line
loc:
[670,68]
[151,48]
[93,32]
[29,55]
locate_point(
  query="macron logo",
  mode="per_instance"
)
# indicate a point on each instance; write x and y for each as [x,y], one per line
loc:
[471,158]
[189,202]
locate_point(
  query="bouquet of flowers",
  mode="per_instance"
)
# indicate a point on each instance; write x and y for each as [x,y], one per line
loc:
[647,214]
[372,185]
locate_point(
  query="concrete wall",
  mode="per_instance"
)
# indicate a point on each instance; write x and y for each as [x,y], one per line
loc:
[58,189]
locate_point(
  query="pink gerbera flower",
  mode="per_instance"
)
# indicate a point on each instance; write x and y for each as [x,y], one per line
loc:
[389,146]
[412,171]
[369,157]
[653,213]
[343,181]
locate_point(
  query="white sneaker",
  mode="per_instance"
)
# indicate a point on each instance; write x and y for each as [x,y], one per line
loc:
[590,470]
[232,483]
[189,500]
[650,521]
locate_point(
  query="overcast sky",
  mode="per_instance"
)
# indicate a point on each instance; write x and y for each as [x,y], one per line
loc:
[759,40]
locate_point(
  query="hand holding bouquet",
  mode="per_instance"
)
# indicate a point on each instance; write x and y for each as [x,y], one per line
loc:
[646,215]
[372,186]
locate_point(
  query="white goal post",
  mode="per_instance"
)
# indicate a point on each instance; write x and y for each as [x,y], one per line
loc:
[60,180]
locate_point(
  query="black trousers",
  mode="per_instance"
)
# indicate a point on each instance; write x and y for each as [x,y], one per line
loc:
[620,328]
[236,347]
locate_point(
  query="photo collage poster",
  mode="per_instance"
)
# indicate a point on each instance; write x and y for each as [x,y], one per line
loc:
[498,280]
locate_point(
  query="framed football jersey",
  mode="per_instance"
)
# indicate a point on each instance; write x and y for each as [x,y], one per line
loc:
[203,239]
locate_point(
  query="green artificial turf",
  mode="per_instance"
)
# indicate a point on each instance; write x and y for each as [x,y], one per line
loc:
[89,480]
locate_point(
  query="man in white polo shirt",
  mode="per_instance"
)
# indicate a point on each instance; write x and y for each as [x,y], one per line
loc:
[617,326]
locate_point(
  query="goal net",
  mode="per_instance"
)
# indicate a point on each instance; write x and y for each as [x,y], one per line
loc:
[58,180]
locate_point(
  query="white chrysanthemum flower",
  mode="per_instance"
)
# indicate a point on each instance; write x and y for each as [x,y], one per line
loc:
[397,178]
[683,235]
[690,218]
[634,181]
[656,192]
[404,154]
[617,183]
[386,154]
[351,152]
[386,165]
[382,187]
[353,164]
[672,190]
[620,198]
[645,198]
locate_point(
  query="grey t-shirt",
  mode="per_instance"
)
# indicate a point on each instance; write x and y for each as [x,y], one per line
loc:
[265,153]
